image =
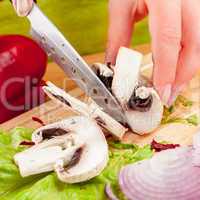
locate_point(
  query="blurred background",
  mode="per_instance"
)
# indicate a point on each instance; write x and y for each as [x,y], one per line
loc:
[83,22]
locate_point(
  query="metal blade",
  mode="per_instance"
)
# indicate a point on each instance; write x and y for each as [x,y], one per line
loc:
[60,50]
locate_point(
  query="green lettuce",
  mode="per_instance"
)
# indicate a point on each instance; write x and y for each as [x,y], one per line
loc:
[47,186]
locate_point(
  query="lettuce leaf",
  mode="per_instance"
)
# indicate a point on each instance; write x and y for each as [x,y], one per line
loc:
[46,185]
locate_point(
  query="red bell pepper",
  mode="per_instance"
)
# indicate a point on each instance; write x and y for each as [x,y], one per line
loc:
[22,66]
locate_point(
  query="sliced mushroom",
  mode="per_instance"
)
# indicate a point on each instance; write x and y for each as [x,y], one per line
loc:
[142,105]
[76,156]
[94,154]
[92,110]
[145,119]
[42,157]
[126,73]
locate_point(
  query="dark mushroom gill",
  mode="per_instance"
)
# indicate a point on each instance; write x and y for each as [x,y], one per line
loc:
[139,104]
[60,98]
[107,80]
[53,132]
[75,159]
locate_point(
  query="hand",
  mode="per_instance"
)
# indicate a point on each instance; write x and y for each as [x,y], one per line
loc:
[175,31]
[22,7]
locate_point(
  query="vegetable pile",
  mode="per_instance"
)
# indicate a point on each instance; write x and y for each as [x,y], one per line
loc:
[57,159]
[46,185]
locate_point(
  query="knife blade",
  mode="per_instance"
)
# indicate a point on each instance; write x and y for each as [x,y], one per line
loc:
[45,33]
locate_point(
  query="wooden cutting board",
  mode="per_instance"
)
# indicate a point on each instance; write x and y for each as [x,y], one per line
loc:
[50,112]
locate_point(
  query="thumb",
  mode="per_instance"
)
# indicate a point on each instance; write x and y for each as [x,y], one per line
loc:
[22,7]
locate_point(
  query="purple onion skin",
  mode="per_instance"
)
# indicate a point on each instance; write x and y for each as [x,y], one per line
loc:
[109,193]
[169,175]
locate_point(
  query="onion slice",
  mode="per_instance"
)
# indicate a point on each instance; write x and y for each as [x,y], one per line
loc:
[109,193]
[169,175]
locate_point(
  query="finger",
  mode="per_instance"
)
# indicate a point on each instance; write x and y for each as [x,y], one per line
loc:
[189,61]
[165,29]
[22,7]
[121,19]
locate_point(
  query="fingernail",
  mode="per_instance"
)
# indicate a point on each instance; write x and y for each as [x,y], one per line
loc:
[172,99]
[14,2]
[166,93]
[23,7]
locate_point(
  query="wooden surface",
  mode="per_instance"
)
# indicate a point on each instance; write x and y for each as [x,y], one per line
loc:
[50,112]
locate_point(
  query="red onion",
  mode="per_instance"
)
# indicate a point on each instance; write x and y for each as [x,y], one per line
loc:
[109,193]
[160,147]
[169,175]
[27,143]
[36,119]
[196,152]
[196,141]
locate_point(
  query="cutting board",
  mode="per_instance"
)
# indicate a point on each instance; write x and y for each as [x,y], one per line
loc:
[51,112]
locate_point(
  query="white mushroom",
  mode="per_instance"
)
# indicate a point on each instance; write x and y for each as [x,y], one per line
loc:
[143,107]
[76,156]
[42,157]
[94,155]
[126,73]
[90,110]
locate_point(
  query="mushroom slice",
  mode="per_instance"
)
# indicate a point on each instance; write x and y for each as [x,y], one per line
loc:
[144,117]
[142,105]
[92,110]
[42,157]
[126,74]
[94,154]
[77,156]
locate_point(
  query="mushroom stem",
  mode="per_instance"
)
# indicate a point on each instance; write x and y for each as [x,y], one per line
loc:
[42,158]
[92,110]
[142,92]
[141,99]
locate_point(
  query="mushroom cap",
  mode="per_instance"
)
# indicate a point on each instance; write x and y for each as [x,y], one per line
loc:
[146,122]
[94,156]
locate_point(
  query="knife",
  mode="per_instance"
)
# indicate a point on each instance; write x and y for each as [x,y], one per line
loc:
[61,51]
